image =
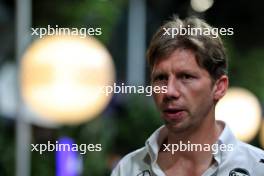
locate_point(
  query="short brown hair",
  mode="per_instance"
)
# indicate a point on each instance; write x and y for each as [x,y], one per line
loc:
[209,50]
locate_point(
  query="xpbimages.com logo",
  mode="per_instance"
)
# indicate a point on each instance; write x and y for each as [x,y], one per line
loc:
[82,32]
[194,31]
[128,89]
[190,147]
[50,147]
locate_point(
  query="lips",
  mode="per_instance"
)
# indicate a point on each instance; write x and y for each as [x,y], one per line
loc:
[175,114]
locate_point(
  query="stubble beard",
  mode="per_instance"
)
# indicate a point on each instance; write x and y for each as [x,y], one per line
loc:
[189,125]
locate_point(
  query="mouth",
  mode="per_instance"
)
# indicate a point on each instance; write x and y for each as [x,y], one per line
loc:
[174,114]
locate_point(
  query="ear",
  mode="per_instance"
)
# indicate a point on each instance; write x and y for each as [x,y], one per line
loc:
[220,87]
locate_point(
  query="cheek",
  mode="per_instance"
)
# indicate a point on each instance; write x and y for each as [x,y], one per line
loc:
[200,93]
[205,97]
[157,98]
[191,90]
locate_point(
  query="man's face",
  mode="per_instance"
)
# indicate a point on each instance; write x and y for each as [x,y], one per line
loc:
[190,96]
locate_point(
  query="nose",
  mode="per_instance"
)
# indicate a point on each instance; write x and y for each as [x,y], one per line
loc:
[173,89]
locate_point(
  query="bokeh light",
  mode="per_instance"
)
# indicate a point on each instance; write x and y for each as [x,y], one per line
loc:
[201,5]
[61,77]
[241,110]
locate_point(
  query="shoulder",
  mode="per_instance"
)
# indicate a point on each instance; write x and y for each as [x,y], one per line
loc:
[139,161]
[251,151]
[134,157]
[251,156]
[131,163]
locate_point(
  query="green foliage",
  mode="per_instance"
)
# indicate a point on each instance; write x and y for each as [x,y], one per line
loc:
[141,120]
[7,148]
[246,69]
[80,14]
[94,13]
[43,164]
[118,134]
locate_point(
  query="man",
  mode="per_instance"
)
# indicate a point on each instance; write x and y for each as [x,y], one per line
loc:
[192,142]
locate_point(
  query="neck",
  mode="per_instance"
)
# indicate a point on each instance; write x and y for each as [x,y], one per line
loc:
[207,132]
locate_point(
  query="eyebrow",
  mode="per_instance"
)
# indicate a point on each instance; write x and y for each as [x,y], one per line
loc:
[157,73]
[182,71]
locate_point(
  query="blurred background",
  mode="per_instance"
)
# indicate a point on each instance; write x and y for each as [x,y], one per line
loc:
[122,122]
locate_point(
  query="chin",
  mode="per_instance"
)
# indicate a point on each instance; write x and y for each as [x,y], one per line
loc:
[177,127]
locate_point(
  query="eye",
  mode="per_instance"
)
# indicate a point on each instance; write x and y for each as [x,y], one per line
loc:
[160,77]
[187,76]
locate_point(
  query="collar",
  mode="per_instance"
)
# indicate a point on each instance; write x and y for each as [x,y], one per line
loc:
[227,138]
[155,141]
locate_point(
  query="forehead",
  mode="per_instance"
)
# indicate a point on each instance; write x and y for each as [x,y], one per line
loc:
[178,60]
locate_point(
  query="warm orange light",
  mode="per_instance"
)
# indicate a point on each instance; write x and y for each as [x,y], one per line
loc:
[241,110]
[61,77]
